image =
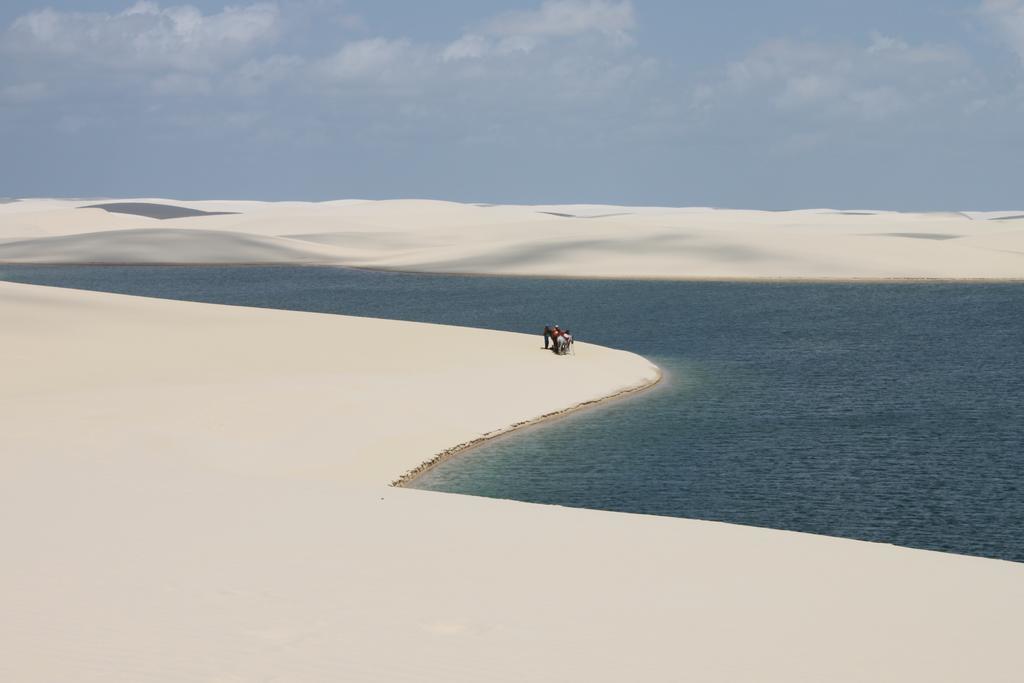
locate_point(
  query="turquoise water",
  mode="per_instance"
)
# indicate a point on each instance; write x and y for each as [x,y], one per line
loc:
[890,413]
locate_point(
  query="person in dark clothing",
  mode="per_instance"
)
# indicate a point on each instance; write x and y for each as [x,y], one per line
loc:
[547,336]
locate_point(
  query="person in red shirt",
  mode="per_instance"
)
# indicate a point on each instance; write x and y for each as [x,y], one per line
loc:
[557,337]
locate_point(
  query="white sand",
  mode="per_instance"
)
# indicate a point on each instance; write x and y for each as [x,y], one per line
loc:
[197,493]
[586,241]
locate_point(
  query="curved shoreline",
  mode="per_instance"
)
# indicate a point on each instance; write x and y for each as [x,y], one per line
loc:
[725,279]
[411,475]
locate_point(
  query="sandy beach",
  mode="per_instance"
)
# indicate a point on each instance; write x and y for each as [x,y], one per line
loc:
[201,492]
[562,240]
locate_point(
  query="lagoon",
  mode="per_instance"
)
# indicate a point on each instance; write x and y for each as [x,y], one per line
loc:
[882,412]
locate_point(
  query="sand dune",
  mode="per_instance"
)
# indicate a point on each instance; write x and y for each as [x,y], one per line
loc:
[1009,241]
[344,383]
[582,240]
[197,492]
[993,215]
[164,246]
[61,221]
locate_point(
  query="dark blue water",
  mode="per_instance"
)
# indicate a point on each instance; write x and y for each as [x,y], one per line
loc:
[881,412]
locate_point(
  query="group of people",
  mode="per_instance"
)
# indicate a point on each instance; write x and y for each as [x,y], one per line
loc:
[560,340]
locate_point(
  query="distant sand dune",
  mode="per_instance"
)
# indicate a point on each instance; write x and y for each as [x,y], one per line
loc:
[164,246]
[572,240]
[1009,241]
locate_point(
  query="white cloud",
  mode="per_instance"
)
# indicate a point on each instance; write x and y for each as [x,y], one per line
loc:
[469,46]
[176,49]
[561,56]
[145,35]
[1008,18]
[889,48]
[524,31]
[565,49]
[560,18]
[370,59]
[883,78]
[805,88]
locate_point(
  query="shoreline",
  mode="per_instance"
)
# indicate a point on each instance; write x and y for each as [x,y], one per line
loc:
[724,279]
[449,453]
[701,278]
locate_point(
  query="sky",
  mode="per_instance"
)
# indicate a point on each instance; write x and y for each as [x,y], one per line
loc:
[894,104]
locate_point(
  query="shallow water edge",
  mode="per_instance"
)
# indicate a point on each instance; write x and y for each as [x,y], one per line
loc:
[412,475]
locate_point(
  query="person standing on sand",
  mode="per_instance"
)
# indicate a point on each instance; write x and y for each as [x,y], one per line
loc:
[547,336]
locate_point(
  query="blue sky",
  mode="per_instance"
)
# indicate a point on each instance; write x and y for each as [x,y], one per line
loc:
[904,104]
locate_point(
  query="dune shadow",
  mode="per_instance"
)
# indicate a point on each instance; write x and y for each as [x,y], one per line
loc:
[573,215]
[158,211]
[358,239]
[558,251]
[919,235]
[154,246]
